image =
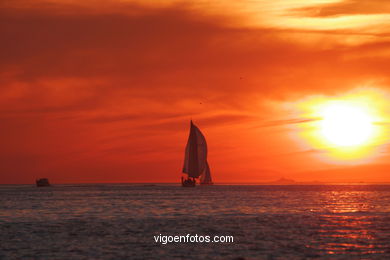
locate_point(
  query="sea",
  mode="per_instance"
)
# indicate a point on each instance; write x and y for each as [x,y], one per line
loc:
[122,221]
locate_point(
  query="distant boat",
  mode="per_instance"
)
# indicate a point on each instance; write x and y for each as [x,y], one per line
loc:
[43,182]
[195,159]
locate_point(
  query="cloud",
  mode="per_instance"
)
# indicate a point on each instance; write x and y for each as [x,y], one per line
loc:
[170,52]
[347,7]
[291,121]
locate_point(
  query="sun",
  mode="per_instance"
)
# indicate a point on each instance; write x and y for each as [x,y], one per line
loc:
[345,124]
[349,128]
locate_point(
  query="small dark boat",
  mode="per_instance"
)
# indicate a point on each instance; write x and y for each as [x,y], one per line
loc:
[43,182]
[188,182]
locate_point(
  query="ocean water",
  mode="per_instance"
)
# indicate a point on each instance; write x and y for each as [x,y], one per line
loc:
[119,221]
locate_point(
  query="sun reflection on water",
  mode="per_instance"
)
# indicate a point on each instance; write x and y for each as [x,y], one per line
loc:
[346,228]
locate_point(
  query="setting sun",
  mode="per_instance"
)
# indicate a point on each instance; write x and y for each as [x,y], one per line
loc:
[345,125]
[347,128]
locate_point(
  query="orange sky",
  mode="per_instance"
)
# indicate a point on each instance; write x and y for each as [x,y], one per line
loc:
[103,91]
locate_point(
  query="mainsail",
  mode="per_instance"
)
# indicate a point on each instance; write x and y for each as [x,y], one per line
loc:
[206,176]
[195,160]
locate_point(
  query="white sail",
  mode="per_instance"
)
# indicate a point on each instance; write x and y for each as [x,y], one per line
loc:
[196,153]
[206,176]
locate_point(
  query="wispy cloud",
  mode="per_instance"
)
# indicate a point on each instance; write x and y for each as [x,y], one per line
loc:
[291,121]
[347,7]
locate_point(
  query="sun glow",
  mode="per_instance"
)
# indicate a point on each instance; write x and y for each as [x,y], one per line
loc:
[346,128]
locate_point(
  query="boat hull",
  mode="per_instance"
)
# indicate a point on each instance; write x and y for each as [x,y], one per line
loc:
[188,183]
[42,182]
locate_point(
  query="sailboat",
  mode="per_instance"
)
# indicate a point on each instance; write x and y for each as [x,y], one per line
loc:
[195,158]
